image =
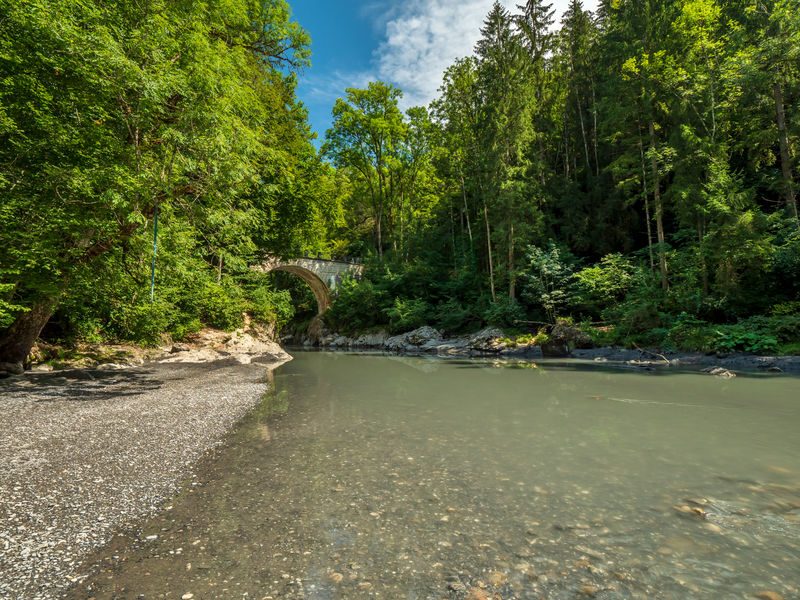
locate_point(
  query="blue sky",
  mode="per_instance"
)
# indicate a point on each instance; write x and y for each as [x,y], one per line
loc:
[406,42]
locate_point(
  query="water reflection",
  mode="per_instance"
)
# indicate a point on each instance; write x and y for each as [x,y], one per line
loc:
[400,477]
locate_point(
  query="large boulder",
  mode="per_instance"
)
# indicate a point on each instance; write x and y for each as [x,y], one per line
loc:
[11,368]
[487,340]
[564,337]
[371,340]
[422,339]
[243,345]
[423,335]
[453,347]
[341,341]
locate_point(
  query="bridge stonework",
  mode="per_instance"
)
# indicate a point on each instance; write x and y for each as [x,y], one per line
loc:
[321,275]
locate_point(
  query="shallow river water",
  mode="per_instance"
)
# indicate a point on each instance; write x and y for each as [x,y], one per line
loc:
[362,476]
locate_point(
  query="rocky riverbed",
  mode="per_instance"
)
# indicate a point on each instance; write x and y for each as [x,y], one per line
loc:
[88,452]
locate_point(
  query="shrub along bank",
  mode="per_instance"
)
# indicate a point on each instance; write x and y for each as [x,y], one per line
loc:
[617,301]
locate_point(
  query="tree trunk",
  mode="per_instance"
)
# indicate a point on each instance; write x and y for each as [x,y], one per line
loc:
[594,133]
[645,194]
[786,159]
[583,135]
[512,281]
[378,232]
[466,210]
[703,267]
[453,236]
[566,146]
[489,250]
[659,208]
[16,341]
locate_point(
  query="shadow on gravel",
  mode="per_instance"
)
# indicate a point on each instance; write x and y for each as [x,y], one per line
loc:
[80,385]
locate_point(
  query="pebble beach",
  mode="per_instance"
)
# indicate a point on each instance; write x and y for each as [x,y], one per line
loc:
[89,452]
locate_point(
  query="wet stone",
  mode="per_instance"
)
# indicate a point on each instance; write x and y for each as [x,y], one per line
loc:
[478,594]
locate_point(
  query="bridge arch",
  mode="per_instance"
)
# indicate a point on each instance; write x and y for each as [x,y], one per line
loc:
[321,275]
[318,287]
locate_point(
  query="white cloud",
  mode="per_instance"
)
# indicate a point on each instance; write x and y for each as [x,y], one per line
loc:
[326,88]
[424,37]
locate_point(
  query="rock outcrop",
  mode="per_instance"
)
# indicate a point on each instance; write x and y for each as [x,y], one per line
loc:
[243,345]
[427,340]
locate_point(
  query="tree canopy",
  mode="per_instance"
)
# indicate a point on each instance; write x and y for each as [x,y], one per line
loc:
[636,167]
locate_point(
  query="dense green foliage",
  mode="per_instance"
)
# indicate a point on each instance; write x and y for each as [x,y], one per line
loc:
[636,168]
[111,113]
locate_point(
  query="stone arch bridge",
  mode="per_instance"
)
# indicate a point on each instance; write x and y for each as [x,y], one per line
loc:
[321,275]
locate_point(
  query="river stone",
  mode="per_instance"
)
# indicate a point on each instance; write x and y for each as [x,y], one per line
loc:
[336,577]
[423,335]
[413,340]
[341,341]
[563,337]
[477,594]
[327,340]
[12,368]
[456,586]
[524,350]
[371,340]
[720,372]
[487,340]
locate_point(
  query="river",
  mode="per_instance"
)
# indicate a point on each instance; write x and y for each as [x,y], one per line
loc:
[367,476]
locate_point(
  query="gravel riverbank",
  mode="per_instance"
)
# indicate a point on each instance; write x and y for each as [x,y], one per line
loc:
[85,453]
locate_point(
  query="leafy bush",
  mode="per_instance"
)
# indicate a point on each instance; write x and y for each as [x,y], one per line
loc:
[737,338]
[548,279]
[145,322]
[689,333]
[604,335]
[8,310]
[506,312]
[405,314]
[452,316]
[221,305]
[786,308]
[792,349]
[359,305]
[786,328]
[604,283]
[641,309]
[271,306]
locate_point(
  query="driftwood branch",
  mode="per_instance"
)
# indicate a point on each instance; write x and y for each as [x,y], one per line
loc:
[656,354]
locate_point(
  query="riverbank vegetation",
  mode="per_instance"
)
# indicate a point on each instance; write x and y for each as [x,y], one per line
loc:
[119,121]
[633,171]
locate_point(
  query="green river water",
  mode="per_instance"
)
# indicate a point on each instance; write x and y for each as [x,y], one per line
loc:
[366,476]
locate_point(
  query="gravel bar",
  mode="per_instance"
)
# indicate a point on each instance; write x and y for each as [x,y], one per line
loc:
[85,453]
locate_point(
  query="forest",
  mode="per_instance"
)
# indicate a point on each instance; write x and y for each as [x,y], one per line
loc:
[632,171]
